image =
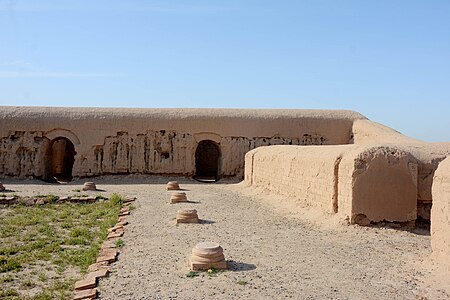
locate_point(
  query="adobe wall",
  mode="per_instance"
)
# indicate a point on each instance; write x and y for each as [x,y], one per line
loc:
[428,155]
[307,174]
[440,221]
[363,183]
[382,176]
[378,183]
[156,141]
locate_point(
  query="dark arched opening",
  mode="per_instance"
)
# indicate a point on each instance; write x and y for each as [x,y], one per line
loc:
[60,159]
[207,161]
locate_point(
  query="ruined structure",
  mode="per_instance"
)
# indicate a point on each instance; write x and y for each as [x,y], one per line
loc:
[207,255]
[172,186]
[187,216]
[65,142]
[178,197]
[89,186]
[440,225]
[346,164]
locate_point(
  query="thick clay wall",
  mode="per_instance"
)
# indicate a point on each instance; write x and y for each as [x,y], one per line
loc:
[428,156]
[363,183]
[156,141]
[307,174]
[440,214]
[378,183]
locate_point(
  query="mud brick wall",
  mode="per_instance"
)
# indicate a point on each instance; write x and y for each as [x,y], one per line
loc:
[101,141]
[428,156]
[22,153]
[363,184]
[304,174]
[440,213]
[377,183]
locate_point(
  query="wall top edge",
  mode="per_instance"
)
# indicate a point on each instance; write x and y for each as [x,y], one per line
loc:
[7,112]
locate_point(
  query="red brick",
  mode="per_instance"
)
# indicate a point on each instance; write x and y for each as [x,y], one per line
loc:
[85,294]
[98,274]
[85,284]
[108,258]
[98,266]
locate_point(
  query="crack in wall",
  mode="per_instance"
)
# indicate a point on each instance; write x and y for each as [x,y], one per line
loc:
[335,203]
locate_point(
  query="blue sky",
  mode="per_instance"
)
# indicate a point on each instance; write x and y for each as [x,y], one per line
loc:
[389,60]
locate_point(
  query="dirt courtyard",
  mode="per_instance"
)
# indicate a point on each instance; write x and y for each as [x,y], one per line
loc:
[276,248]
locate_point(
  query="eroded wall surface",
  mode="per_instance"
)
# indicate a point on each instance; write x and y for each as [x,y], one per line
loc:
[378,183]
[440,213]
[428,156]
[167,152]
[364,184]
[156,141]
[25,154]
[305,174]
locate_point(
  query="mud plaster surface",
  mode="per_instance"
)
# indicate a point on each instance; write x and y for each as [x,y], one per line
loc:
[281,249]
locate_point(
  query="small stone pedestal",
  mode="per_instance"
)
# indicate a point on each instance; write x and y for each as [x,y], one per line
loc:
[89,186]
[178,197]
[207,255]
[173,186]
[187,216]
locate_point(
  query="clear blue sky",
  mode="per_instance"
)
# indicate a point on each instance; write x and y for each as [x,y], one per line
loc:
[388,59]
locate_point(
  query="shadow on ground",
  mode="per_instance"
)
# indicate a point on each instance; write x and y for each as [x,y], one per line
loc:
[240,266]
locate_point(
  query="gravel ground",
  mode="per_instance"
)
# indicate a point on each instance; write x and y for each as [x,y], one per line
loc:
[276,249]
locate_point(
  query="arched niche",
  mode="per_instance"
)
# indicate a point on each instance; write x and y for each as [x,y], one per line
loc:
[207,161]
[59,132]
[207,136]
[60,155]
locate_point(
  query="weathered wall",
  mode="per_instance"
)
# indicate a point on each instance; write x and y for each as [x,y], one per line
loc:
[440,214]
[428,156]
[364,183]
[307,174]
[156,141]
[167,152]
[92,125]
[378,183]
[22,153]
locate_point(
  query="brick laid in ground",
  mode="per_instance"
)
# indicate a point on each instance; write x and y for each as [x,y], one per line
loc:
[85,294]
[98,266]
[85,284]
[98,274]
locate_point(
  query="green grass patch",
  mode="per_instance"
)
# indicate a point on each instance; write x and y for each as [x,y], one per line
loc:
[100,197]
[118,243]
[50,198]
[192,274]
[8,294]
[37,242]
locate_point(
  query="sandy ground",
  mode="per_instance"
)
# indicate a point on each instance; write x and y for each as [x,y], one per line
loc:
[282,250]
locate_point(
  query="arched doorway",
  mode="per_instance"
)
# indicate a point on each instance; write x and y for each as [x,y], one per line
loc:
[207,161]
[60,159]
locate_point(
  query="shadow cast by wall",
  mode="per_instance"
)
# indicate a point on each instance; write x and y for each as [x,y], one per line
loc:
[417,228]
[118,179]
